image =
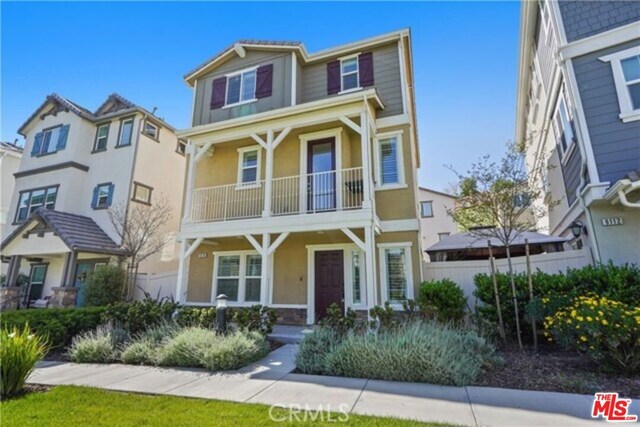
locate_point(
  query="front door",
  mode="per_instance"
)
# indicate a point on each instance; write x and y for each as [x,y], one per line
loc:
[82,271]
[329,281]
[36,283]
[321,178]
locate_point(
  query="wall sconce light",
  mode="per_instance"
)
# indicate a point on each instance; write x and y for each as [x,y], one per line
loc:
[577,228]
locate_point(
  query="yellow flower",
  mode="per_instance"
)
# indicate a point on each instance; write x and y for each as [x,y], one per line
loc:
[589,319]
[573,313]
[583,338]
[604,322]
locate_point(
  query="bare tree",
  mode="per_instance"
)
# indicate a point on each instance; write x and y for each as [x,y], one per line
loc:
[139,228]
[496,200]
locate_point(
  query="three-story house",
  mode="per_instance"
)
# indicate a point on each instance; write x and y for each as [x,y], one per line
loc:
[301,179]
[76,165]
[578,111]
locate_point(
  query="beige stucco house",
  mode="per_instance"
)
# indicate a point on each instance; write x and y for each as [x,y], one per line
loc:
[435,221]
[301,181]
[10,155]
[76,164]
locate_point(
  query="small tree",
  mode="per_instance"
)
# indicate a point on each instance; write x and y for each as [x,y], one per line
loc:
[104,286]
[139,227]
[496,200]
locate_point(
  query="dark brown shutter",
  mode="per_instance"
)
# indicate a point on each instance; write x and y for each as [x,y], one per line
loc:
[365,67]
[218,91]
[264,81]
[333,77]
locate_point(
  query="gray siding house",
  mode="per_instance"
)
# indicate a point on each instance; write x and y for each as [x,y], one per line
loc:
[578,109]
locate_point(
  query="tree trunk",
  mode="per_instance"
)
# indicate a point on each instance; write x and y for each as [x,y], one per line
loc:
[496,293]
[530,280]
[515,297]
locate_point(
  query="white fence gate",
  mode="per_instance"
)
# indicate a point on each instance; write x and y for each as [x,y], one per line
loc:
[462,272]
[161,284]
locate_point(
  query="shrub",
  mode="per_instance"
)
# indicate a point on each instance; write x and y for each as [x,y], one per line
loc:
[442,299]
[255,318]
[195,316]
[19,352]
[607,331]
[382,317]
[144,348]
[104,286]
[56,325]
[314,348]
[338,321]
[138,316]
[98,346]
[417,352]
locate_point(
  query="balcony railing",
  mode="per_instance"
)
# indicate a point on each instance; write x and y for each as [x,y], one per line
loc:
[292,195]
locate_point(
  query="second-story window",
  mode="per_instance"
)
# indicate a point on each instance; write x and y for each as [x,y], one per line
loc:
[150,130]
[349,74]
[101,138]
[30,200]
[241,87]
[249,166]
[102,196]
[563,128]
[126,131]
[141,193]
[389,169]
[426,209]
[625,66]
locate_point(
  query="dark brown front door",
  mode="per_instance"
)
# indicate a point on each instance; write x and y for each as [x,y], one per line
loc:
[329,281]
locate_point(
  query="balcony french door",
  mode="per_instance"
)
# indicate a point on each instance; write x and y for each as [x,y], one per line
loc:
[321,173]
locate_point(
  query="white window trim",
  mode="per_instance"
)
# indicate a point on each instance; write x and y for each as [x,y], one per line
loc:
[121,134]
[376,156]
[336,133]
[565,154]
[384,285]
[226,89]
[241,278]
[426,201]
[98,137]
[627,113]
[258,182]
[357,73]
[157,130]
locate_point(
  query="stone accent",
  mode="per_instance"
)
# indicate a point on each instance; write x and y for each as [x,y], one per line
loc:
[9,297]
[63,297]
[292,316]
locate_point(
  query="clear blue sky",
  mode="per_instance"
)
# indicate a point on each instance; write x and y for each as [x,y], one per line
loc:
[465,59]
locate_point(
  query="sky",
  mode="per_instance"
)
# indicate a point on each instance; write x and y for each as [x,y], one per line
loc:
[465,60]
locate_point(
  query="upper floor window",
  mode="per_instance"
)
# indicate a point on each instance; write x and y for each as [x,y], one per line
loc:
[50,140]
[426,209]
[150,130]
[625,66]
[101,138]
[241,87]
[181,147]
[249,165]
[102,196]
[141,193]
[126,132]
[30,200]
[565,136]
[389,168]
[349,73]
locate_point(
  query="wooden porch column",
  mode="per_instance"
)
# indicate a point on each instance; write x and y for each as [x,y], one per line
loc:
[14,270]
[367,182]
[70,274]
[181,260]
[268,177]
[265,277]
[191,178]
[370,266]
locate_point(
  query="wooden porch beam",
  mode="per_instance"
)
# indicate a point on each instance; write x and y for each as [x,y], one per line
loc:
[350,123]
[254,243]
[259,140]
[277,243]
[281,137]
[350,234]
[203,150]
[191,249]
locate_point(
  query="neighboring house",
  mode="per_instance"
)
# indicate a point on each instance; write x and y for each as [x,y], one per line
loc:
[435,221]
[301,186]
[10,155]
[77,164]
[578,109]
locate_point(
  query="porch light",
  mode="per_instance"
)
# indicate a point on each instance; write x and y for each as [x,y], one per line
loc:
[576,228]
[221,313]
[222,301]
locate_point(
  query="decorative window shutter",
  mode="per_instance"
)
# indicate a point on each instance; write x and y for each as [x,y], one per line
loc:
[37,144]
[110,198]
[333,77]
[365,67]
[62,138]
[264,81]
[94,200]
[218,92]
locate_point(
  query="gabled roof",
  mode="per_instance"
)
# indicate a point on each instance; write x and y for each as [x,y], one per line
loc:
[79,233]
[115,105]
[438,192]
[296,46]
[10,146]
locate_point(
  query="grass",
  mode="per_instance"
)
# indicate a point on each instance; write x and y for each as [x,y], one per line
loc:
[70,405]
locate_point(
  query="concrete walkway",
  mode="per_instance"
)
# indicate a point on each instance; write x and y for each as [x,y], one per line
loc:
[271,382]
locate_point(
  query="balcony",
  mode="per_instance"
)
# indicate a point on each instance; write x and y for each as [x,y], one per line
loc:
[312,193]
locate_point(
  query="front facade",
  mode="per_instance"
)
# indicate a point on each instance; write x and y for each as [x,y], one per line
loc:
[301,180]
[10,155]
[435,221]
[578,112]
[77,164]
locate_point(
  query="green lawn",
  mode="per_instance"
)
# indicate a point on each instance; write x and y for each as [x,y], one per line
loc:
[69,405]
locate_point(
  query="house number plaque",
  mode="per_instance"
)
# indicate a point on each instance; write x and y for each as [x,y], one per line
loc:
[616,220]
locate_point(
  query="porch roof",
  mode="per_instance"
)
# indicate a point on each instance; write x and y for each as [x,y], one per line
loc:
[470,240]
[78,233]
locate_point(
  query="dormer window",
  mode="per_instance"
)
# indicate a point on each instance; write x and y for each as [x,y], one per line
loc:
[241,87]
[349,74]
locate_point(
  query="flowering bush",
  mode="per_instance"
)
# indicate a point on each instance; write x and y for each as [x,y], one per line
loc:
[19,352]
[607,331]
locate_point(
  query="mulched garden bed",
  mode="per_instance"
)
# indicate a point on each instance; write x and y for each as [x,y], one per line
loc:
[554,370]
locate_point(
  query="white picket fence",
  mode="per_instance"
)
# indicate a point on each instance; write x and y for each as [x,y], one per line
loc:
[462,272]
[161,284]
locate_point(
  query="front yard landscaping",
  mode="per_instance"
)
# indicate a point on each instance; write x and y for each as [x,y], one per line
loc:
[69,405]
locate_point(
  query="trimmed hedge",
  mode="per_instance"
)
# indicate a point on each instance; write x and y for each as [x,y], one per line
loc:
[56,325]
[443,300]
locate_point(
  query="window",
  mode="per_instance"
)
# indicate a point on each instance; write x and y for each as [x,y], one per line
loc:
[126,131]
[241,87]
[396,273]
[50,140]
[150,130]
[30,200]
[389,168]
[443,235]
[141,193]
[101,138]
[248,166]
[426,209]
[355,277]
[37,278]
[238,276]
[102,196]
[349,78]
[625,66]
[181,147]
[563,128]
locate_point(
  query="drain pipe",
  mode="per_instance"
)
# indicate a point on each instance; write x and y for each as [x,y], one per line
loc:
[593,247]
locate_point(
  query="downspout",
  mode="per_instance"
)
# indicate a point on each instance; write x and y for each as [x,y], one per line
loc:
[594,248]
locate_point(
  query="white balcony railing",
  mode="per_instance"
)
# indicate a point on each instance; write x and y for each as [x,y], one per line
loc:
[292,195]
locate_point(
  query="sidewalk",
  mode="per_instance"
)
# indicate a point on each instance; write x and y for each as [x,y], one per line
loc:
[271,382]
